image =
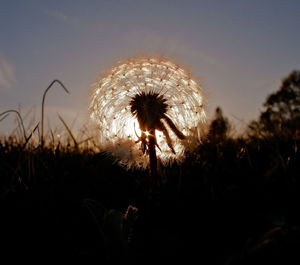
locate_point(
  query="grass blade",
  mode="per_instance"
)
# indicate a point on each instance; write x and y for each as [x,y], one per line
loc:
[69,131]
[43,103]
[29,137]
[20,120]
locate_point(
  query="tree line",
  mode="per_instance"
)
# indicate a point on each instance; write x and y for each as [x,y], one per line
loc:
[280,116]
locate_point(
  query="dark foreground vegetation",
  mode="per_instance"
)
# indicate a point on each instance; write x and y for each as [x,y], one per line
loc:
[235,200]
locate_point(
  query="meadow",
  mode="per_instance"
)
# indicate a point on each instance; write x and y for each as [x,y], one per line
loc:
[232,201]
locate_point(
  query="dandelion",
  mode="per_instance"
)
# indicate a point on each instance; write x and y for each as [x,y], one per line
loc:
[147,108]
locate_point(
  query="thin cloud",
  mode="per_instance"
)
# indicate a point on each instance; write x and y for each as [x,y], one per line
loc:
[175,48]
[62,17]
[7,74]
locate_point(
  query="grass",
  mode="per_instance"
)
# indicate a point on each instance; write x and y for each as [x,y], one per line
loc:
[223,195]
[233,201]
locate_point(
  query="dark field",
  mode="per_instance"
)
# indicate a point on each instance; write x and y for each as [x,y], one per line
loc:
[233,201]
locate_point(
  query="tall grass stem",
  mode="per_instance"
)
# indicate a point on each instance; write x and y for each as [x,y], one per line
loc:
[20,119]
[43,103]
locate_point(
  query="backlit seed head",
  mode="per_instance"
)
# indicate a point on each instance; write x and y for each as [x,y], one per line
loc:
[143,94]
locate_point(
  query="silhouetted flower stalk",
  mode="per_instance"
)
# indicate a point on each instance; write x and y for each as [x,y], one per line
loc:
[43,103]
[148,110]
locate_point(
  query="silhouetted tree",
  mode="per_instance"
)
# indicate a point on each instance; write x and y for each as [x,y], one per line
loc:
[219,127]
[281,116]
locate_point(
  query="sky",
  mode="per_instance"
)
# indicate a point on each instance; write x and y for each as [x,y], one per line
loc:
[239,51]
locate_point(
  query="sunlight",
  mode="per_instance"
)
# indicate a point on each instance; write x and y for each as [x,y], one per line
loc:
[133,82]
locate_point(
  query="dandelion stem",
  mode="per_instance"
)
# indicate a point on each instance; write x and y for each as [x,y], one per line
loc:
[153,163]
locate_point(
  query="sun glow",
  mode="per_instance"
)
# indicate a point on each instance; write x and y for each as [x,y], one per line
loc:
[119,130]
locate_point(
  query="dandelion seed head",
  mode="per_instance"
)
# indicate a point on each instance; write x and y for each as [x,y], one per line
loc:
[178,97]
